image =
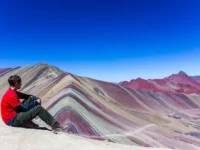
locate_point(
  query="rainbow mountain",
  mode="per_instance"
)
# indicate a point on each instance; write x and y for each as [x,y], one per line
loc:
[106,111]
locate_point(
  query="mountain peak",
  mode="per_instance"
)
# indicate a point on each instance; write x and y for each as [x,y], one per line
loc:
[42,64]
[140,79]
[182,73]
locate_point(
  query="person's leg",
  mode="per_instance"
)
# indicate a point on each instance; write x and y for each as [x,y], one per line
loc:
[30,123]
[38,110]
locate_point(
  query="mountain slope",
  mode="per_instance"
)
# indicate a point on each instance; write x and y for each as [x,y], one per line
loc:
[196,78]
[24,139]
[141,84]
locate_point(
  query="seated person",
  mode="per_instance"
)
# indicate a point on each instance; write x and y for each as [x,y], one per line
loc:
[17,114]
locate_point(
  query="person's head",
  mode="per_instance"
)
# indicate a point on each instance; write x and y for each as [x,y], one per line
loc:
[15,81]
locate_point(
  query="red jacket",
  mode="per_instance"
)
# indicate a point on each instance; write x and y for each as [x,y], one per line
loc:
[10,101]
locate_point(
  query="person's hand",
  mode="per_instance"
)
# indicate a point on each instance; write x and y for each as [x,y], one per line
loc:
[39,101]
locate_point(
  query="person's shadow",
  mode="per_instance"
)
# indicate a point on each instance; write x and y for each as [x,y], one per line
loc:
[32,125]
[37,128]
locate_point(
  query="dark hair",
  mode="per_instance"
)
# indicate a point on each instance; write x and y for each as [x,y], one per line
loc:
[14,79]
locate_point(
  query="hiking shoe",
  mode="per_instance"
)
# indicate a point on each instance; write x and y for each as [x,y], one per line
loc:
[56,127]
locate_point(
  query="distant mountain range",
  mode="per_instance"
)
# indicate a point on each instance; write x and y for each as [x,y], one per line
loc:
[176,83]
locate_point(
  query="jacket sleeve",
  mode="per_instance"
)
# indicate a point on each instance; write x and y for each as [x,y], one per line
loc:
[22,95]
[23,107]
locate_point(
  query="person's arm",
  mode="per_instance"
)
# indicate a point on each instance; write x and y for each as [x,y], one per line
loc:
[25,96]
[22,95]
[23,107]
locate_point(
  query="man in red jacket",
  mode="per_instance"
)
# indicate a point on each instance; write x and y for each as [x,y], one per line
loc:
[16,114]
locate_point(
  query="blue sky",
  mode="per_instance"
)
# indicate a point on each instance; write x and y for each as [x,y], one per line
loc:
[103,39]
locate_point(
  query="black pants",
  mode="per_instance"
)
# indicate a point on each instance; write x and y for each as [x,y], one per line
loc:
[24,117]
